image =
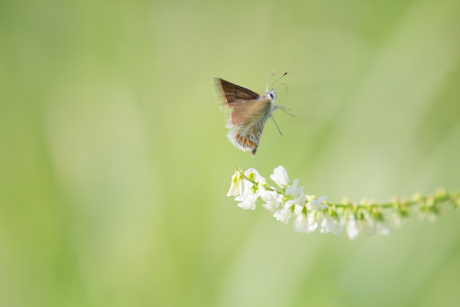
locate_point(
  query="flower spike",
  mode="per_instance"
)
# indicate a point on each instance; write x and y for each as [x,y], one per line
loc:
[366,217]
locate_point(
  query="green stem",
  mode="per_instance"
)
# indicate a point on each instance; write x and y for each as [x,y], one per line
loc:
[448,197]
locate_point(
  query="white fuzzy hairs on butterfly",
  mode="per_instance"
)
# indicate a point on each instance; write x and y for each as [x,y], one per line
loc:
[235,130]
[242,132]
[231,137]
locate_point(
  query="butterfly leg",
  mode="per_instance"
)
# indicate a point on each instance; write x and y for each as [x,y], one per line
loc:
[277,126]
[285,109]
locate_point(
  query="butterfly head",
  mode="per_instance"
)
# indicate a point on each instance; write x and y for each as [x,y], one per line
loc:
[272,96]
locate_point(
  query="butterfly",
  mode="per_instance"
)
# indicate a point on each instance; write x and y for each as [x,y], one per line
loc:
[248,112]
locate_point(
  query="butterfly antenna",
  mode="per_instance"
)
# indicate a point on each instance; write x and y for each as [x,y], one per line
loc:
[277,126]
[278,79]
[285,87]
[273,73]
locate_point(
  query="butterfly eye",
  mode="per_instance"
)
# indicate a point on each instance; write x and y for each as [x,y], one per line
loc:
[271,95]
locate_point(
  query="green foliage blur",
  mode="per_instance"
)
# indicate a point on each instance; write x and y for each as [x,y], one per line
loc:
[114,165]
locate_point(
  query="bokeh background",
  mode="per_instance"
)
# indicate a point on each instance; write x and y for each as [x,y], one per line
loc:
[114,165]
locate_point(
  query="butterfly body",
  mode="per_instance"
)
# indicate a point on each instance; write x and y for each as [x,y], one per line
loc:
[248,113]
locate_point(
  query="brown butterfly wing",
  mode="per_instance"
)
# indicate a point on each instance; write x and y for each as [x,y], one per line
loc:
[232,92]
[249,119]
[247,112]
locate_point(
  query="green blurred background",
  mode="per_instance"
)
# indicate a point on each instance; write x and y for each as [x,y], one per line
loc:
[114,165]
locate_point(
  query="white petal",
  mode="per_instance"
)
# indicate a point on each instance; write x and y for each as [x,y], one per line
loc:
[352,230]
[257,176]
[332,225]
[280,176]
[298,209]
[301,223]
[289,203]
[240,198]
[235,189]
[323,228]
[273,200]
[312,223]
[337,229]
[322,198]
[283,215]
[269,207]
[266,196]
[248,201]
[367,226]
[292,188]
[383,228]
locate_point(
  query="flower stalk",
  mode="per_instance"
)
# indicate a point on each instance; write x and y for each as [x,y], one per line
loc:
[288,200]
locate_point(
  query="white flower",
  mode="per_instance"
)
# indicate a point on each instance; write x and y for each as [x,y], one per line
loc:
[366,225]
[237,185]
[293,189]
[352,230]
[262,192]
[272,199]
[253,174]
[383,228]
[296,193]
[317,204]
[398,220]
[248,200]
[251,188]
[305,223]
[280,176]
[445,208]
[310,212]
[331,225]
[246,188]
[283,215]
[297,208]
[323,228]
[301,223]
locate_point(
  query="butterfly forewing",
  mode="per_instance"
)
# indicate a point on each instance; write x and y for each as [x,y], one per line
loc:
[233,92]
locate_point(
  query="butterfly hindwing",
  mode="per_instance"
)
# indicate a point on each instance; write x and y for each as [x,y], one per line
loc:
[247,139]
[246,112]
[248,121]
